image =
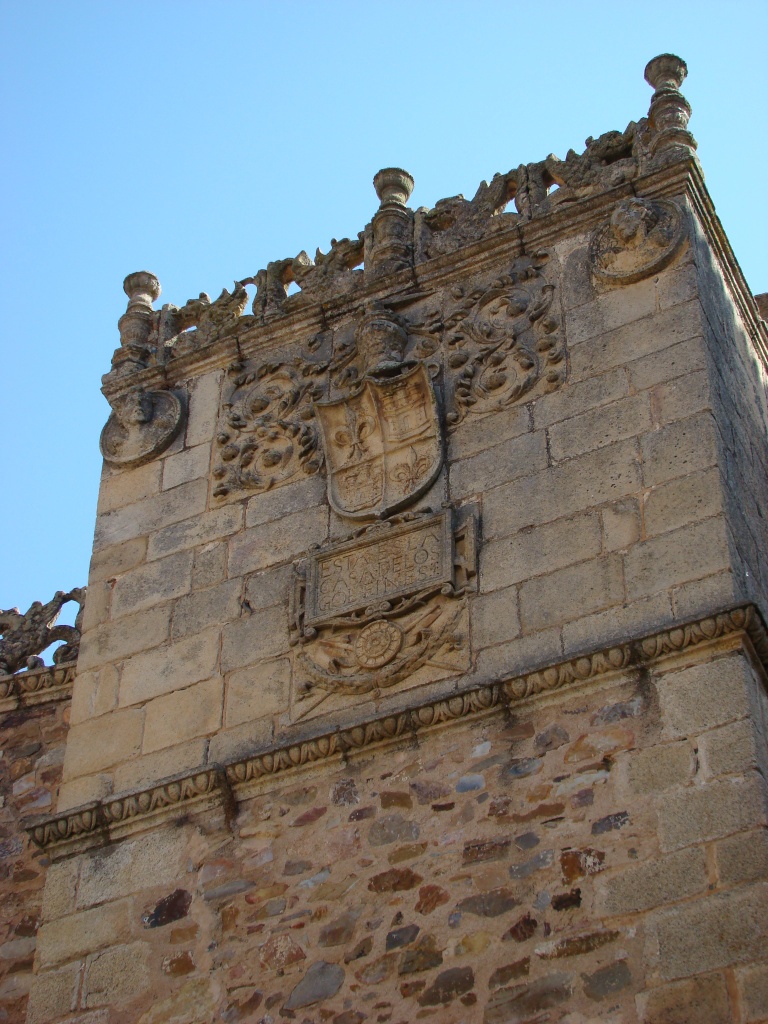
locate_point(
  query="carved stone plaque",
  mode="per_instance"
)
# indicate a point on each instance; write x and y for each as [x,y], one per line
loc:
[369,612]
[358,573]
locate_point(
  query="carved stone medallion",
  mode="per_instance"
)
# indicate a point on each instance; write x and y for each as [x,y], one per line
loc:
[142,424]
[383,445]
[370,611]
[640,239]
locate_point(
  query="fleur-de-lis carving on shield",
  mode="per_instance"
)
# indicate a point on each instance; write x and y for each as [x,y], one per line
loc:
[354,435]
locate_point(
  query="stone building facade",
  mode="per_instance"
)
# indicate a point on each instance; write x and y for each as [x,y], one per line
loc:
[422,670]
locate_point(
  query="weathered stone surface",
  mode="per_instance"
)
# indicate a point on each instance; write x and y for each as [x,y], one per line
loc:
[728,928]
[321,981]
[447,986]
[524,1001]
[701,999]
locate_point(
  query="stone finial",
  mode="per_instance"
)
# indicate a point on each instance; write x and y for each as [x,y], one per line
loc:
[669,112]
[389,236]
[142,289]
[135,325]
[393,186]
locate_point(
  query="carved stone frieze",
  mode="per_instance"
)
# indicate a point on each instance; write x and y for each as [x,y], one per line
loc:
[121,814]
[142,425]
[502,341]
[26,636]
[640,238]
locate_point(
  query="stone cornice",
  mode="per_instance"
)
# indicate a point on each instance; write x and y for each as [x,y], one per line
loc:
[36,686]
[106,821]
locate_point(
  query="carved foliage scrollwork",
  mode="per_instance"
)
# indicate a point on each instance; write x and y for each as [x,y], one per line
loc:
[26,636]
[267,432]
[502,341]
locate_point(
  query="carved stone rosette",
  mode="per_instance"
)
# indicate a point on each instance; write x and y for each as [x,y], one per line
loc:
[502,341]
[142,425]
[640,239]
[367,612]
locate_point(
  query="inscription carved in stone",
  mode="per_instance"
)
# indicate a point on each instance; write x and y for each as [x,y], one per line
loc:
[369,611]
[142,425]
[640,239]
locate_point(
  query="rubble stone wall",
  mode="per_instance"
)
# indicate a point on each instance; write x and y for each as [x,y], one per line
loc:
[595,855]
[32,742]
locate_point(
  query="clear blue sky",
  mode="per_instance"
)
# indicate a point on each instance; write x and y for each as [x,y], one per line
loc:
[202,140]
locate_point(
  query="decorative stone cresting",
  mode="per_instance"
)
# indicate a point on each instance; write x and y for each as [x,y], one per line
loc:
[26,636]
[120,815]
[398,239]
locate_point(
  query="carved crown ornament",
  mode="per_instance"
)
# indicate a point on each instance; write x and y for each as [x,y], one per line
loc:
[398,238]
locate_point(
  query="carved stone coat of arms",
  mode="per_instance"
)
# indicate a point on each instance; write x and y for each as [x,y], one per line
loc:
[383,445]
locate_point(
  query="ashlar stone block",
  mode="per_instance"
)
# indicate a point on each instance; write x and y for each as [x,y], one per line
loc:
[704,696]
[100,742]
[202,529]
[80,934]
[697,814]
[600,427]
[573,486]
[690,553]
[117,975]
[715,932]
[570,593]
[536,551]
[277,541]
[256,691]
[170,667]
[654,883]
[113,641]
[203,608]
[152,584]
[183,714]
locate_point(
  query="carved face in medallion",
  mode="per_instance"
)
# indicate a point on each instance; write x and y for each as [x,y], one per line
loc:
[632,220]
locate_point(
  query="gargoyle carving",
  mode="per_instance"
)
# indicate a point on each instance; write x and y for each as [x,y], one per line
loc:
[502,341]
[26,636]
[458,221]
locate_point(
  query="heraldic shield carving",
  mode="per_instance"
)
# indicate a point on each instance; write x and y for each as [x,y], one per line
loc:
[383,445]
